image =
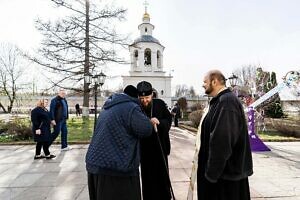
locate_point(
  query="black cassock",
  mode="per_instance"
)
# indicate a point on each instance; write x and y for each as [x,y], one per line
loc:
[155,182]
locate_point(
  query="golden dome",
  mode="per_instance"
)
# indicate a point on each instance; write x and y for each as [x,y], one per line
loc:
[146,16]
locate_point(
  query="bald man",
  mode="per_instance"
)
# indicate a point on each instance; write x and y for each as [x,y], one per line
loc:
[59,115]
[224,159]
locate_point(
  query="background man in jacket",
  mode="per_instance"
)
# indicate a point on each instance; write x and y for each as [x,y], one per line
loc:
[113,157]
[176,112]
[59,114]
[225,159]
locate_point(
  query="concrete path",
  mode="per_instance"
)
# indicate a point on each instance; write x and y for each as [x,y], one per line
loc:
[277,173]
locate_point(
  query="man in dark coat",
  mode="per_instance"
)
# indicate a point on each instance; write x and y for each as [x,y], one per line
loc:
[176,112]
[77,109]
[225,160]
[113,157]
[59,114]
[156,148]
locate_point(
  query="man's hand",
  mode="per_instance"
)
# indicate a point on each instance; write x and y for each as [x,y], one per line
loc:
[154,121]
[38,131]
[53,122]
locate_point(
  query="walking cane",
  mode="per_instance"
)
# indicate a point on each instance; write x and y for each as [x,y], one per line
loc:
[165,162]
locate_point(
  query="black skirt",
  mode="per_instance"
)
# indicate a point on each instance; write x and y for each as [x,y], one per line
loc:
[105,187]
[223,190]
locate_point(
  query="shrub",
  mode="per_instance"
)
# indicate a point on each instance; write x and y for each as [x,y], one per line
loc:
[197,106]
[287,127]
[195,117]
[3,127]
[19,129]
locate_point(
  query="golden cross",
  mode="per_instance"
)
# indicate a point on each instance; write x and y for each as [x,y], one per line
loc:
[146,4]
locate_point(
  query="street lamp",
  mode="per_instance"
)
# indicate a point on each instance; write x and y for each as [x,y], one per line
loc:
[233,82]
[98,80]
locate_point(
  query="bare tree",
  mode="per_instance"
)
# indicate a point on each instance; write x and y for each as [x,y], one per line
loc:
[181,91]
[11,70]
[247,77]
[80,44]
[192,92]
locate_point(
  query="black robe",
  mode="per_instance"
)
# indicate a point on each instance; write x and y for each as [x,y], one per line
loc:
[224,161]
[155,182]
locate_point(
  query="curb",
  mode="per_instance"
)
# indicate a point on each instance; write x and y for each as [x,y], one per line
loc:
[33,143]
[194,131]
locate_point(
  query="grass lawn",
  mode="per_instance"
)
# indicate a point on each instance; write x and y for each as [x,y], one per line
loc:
[275,136]
[78,132]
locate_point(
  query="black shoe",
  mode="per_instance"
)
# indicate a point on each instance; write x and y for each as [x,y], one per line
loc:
[36,157]
[50,156]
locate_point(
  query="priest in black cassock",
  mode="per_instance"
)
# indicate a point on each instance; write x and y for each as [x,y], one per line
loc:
[156,148]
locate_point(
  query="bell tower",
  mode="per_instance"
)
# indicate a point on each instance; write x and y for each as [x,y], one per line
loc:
[146,56]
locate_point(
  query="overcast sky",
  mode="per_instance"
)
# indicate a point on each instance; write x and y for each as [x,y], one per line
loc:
[198,34]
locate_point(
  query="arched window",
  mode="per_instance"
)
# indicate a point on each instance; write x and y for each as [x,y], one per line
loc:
[135,59]
[158,54]
[146,30]
[147,57]
[155,93]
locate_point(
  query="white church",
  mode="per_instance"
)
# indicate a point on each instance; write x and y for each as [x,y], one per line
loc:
[146,56]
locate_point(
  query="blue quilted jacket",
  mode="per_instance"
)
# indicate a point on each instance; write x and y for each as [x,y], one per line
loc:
[115,146]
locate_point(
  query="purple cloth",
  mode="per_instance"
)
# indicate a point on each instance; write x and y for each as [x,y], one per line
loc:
[256,143]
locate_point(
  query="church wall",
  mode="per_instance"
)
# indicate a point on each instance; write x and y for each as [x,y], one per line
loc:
[25,104]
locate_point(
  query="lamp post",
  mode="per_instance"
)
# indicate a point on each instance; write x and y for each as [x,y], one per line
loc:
[233,82]
[98,80]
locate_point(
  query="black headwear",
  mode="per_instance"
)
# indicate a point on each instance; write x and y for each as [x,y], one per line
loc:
[144,88]
[130,90]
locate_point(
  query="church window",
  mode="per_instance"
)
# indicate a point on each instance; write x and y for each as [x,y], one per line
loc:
[158,54]
[135,59]
[147,57]
[155,93]
[146,30]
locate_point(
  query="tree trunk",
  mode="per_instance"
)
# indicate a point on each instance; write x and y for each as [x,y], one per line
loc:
[85,108]
[3,108]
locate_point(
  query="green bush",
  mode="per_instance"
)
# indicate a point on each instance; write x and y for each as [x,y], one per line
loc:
[16,129]
[287,127]
[3,127]
[195,117]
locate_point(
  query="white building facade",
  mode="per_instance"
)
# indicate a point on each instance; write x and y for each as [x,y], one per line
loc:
[146,56]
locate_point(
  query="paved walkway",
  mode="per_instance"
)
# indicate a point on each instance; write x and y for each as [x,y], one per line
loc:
[277,173]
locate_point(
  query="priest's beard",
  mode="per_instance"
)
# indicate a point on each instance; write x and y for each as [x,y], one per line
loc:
[147,109]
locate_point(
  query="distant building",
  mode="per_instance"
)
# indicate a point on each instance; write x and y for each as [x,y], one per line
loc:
[146,55]
[290,101]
